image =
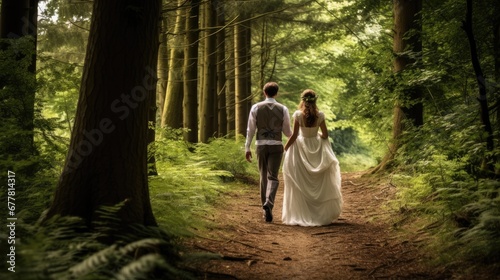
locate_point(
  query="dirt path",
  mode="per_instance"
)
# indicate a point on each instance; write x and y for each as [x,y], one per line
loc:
[357,246]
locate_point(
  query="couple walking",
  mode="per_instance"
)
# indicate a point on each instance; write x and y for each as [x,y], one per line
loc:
[312,195]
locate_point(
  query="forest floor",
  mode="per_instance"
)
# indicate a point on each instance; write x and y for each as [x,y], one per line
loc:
[362,244]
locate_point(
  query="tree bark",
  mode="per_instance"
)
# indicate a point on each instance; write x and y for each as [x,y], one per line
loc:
[172,109]
[208,124]
[190,101]
[408,108]
[221,71]
[107,159]
[163,58]
[242,57]
[230,82]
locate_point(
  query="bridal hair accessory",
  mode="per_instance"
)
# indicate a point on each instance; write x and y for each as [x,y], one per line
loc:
[309,98]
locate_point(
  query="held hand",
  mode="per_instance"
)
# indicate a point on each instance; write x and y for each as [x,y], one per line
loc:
[248,156]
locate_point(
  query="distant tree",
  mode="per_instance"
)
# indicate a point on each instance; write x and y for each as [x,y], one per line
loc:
[107,159]
[190,100]
[208,112]
[163,58]
[172,109]
[242,73]
[230,87]
[221,71]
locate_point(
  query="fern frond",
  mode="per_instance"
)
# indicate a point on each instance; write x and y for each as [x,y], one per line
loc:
[151,266]
[142,244]
[94,262]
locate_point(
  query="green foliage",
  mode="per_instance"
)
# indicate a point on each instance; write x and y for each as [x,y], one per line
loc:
[342,50]
[17,94]
[225,154]
[355,162]
[353,153]
[191,179]
[481,240]
[440,178]
[22,128]
[182,196]
[65,248]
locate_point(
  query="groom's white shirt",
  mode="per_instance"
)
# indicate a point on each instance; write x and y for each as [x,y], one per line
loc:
[252,126]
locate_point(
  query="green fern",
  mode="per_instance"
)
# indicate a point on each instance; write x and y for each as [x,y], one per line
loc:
[151,266]
[94,262]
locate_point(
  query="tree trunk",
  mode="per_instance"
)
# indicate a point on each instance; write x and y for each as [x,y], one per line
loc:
[190,101]
[481,82]
[496,49]
[209,109]
[407,18]
[107,159]
[172,109]
[408,108]
[242,58]
[230,80]
[162,70]
[221,71]
[264,53]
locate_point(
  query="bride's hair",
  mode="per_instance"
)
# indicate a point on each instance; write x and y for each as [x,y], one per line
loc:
[308,107]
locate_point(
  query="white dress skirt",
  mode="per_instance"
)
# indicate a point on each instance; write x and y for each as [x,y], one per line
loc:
[312,195]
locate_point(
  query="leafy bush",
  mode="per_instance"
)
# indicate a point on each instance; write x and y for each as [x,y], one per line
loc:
[225,154]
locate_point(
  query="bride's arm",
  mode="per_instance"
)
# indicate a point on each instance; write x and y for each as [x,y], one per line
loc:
[294,134]
[324,131]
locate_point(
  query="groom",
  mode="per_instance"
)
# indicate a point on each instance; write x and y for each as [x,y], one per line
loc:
[269,119]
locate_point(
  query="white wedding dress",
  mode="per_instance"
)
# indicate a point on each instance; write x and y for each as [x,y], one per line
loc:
[312,195]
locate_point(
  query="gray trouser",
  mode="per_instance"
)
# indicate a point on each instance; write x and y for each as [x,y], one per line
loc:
[269,157]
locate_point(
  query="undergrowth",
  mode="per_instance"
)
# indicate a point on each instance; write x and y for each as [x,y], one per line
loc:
[190,180]
[446,190]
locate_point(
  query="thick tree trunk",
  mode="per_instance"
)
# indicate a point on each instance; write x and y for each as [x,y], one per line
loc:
[221,71]
[242,57]
[407,18]
[107,159]
[408,109]
[172,109]
[208,124]
[190,101]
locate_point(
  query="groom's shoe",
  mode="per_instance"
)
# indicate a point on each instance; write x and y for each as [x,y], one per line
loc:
[268,214]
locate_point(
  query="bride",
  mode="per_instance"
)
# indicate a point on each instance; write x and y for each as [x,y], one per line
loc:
[312,195]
